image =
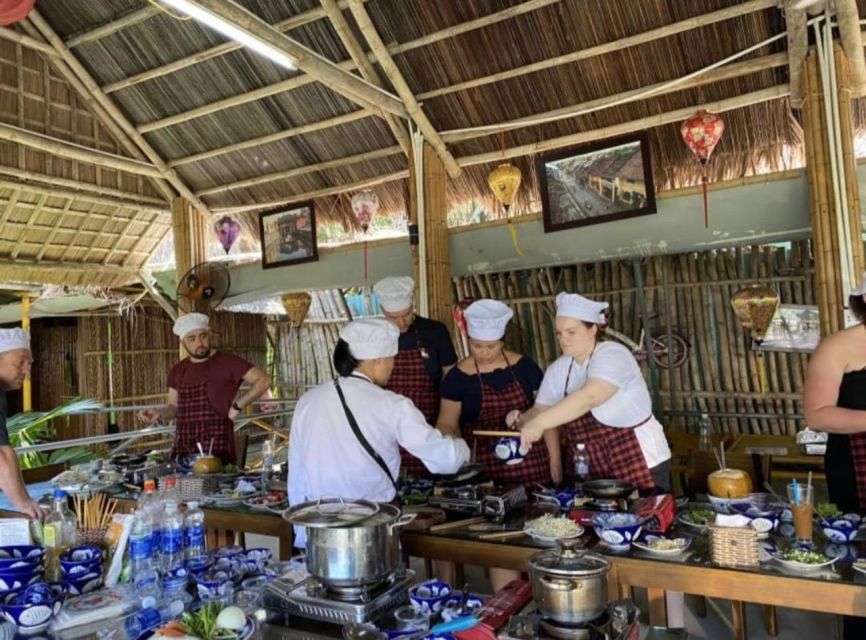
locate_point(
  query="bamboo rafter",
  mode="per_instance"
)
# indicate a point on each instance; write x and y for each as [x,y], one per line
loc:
[127,20]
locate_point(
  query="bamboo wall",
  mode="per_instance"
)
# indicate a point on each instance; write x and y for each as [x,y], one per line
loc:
[55,371]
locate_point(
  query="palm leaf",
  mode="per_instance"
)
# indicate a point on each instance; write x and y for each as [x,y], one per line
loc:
[31,427]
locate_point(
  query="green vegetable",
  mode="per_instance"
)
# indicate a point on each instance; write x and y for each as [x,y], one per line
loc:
[803,556]
[230,468]
[700,516]
[202,623]
[827,510]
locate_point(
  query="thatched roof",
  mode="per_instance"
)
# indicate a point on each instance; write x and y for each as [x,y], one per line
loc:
[231,123]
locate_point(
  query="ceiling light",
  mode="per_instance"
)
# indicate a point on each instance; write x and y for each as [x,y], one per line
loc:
[232,31]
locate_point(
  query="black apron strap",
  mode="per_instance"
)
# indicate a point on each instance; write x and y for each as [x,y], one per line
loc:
[360,436]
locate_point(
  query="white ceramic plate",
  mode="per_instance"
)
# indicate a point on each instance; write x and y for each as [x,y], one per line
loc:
[859,566]
[682,545]
[552,539]
[802,567]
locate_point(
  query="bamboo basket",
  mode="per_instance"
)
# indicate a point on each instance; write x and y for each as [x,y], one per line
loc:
[733,546]
[194,487]
[94,537]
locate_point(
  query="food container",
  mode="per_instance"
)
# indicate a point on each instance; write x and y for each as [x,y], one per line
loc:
[568,584]
[349,542]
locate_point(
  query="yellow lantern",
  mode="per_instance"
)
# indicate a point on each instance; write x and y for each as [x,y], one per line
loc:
[504,180]
[297,305]
[755,306]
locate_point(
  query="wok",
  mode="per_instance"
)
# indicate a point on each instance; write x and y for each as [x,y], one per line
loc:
[609,489]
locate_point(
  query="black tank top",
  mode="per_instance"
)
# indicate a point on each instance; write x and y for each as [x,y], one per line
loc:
[838,461]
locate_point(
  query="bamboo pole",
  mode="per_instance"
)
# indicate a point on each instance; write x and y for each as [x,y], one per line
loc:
[117,196]
[412,107]
[848,17]
[849,161]
[103,31]
[27,41]
[798,46]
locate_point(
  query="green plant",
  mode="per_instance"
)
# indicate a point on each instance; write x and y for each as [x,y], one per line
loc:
[32,427]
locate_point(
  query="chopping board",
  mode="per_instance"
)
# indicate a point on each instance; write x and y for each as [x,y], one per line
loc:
[426,517]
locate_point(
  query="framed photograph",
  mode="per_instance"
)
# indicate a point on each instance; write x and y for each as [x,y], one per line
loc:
[597,182]
[288,235]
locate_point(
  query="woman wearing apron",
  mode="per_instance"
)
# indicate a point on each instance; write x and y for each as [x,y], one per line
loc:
[480,391]
[425,354]
[597,395]
[834,398]
[347,433]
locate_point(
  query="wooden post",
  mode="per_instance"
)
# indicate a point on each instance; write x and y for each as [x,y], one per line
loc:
[190,241]
[439,290]
[27,389]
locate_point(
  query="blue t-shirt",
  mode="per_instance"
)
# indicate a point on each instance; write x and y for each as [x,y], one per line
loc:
[466,389]
[436,340]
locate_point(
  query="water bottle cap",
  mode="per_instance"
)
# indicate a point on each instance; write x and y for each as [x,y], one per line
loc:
[150,485]
[59,494]
[170,482]
[176,607]
[148,602]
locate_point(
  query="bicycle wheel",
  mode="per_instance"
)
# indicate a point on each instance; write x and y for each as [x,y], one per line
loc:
[673,355]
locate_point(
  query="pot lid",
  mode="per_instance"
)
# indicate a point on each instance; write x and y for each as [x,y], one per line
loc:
[569,560]
[331,512]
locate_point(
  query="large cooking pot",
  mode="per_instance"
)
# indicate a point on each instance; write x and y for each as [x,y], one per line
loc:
[569,585]
[350,543]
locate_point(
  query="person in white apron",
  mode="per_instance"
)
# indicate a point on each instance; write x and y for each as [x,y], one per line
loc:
[347,433]
[597,396]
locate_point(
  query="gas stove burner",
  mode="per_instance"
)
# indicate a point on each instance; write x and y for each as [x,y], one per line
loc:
[617,622]
[466,492]
[562,631]
[610,504]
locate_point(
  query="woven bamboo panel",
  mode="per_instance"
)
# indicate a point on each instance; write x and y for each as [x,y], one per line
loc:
[734,546]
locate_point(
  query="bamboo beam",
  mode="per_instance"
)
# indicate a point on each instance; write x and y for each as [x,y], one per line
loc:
[31,221]
[95,108]
[129,198]
[689,24]
[82,197]
[54,229]
[273,137]
[320,68]
[147,280]
[74,151]
[849,162]
[848,17]
[735,102]
[190,242]
[75,268]
[115,114]
[117,24]
[378,48]
[299,171]
[439,296]
[26,41]
[727,72]
[320,193]
[798,47]
[359,57]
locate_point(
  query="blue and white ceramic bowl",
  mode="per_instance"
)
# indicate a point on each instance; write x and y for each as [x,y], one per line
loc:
[763,515]
[215,587]
[847,553]
[85,554]
[451,606]
[839,530]
[176,578]
[617,529]
[81,569]
[260,556]
[20,564]
[430,595]
[721,505]
[29,552]
[17,581]
[32,609]
[85,584]
[230,551]
[507,450]
[199,565]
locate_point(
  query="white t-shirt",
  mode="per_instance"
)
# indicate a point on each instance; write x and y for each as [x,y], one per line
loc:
[629,406]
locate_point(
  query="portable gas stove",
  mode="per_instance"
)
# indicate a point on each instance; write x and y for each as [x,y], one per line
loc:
[619,621]
[314,600]
[479,500]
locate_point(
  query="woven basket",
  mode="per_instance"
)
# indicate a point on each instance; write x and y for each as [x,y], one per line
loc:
[194,487]
[95,537]
[733,546]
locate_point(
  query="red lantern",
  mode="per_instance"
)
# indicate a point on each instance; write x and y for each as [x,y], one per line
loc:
[702,133]
[12,11]
[365,204]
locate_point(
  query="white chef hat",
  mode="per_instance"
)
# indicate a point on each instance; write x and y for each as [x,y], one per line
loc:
[487,319]
[395,293]
[11,339]
[190,322]
[371,338]
[862,290]
[573,305]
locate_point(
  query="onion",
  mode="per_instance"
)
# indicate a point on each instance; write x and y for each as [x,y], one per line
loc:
[231,618]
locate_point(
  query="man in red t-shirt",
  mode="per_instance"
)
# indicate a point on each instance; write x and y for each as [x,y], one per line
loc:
[202,392]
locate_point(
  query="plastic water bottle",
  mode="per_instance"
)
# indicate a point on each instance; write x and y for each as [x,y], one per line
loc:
[150,618]
[169,491]
[267,462]
[145,579]
[171,541]
[704,442]
[581,462]
[148,504]
[59,533]
[193,531]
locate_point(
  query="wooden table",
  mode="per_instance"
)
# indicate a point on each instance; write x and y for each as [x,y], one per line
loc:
[843,596]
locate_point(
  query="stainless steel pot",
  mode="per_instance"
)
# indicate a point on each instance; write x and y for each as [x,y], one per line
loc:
[350,543]
[569,585]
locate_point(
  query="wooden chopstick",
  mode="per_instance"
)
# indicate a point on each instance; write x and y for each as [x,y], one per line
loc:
[457,524]
[497,434]
[501,535]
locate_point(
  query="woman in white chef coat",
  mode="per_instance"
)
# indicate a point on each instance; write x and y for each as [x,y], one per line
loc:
[347,433]
[597,395]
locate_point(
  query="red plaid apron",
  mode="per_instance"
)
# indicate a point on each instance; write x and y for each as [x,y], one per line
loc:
[858,455]
[614,452]
[198,422]
[411,379]
[495,405]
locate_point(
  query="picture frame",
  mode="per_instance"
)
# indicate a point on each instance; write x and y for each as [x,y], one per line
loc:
[288,235]
[596,182]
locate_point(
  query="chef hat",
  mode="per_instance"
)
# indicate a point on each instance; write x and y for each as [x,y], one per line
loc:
[190,322]
[573,305]
[395,293]
[862,290]
[371,338]
[487,319]
[11,339]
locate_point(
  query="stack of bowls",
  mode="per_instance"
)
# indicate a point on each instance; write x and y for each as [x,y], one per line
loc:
[32,608]
[430,596]
[20,566]
[81,569]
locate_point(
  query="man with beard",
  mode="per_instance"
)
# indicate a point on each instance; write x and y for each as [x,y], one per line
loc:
[15,362]
[202,392]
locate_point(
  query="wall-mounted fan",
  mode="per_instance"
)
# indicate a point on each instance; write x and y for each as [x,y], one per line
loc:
[205,286]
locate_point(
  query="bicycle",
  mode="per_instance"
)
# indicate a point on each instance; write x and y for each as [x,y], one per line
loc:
[664,355]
